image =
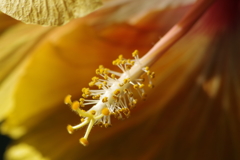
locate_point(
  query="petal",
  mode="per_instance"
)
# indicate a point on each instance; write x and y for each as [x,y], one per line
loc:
[51,12]
[23,151]
[13,61]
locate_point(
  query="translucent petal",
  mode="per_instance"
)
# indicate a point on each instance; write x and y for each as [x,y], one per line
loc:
[48,12]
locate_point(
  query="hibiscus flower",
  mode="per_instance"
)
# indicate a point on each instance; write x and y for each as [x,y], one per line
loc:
[191,113]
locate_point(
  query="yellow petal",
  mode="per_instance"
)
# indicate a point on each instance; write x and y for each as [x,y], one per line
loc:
[50,12]
[23,151]
[13,58]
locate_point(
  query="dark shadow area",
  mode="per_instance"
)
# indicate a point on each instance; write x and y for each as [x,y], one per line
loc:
[4,141]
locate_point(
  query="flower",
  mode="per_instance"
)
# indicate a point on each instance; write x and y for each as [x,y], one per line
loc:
[192,113]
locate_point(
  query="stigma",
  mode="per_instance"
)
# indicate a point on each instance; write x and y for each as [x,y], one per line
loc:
[113,96]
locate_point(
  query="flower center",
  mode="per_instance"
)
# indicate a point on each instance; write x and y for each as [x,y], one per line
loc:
[114,95]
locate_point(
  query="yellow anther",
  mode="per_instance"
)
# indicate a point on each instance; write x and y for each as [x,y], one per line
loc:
[125,90]
[81,104]
[75,105]
[123,62]
[135,86]
[96,97]
[82,119]
[113,76]
[116,92]
[105,76]
[150,85]
[100,86]
[68,100]
[101,67]
[105,99]
[118,62]
[81,99]
[91,84]
[130,94]
[141,85]
[115,98]
[134,101]
[148,73]
[97,71]
[120,57]
[106,71]
[120,84]
[84,95]
[152,75]
[84,141]
[93,112]
[126,80]
[106,125]
[128,67]
[130,62]
[114,62]
[105,111]
[105,83]
[70,129]
[101,71]
[146,68]
[95,78]
[135,53]
[85,90]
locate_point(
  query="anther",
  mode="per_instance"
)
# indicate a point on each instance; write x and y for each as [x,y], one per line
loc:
[91,84]
[105,99]
[152,75]
[125,81]
[141,85]
[134,101]
[81,104]
[84,141]
[70,129]
[81,99]
[150,85]
[135,86]
[105,111]
[75,106]
[93,112]
[68,100]
[135,53]
[100,86]
[120,57]
[116,92]
[106,125]
[146,68]
[113,76]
